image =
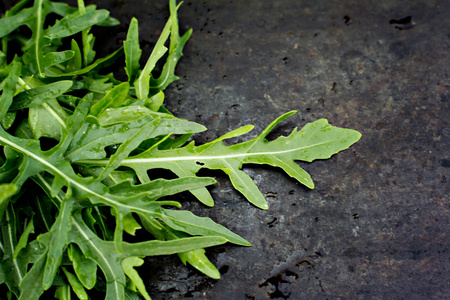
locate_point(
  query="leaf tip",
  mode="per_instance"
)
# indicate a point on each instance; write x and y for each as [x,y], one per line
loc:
[309,184]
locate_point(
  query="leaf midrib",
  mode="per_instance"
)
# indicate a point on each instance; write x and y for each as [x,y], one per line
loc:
[80,230]
[150,160]
[38,37]
[16,265]
[67,178]
[89,240]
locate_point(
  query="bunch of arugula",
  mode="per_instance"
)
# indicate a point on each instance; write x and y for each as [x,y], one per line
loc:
[77,148]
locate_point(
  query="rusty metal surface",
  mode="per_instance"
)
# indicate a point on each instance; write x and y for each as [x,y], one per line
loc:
[377,225]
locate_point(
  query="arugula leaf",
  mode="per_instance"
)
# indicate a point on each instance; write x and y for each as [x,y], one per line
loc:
[132,50]
[108,259]
[75,62]
[176,46]
[23,239]
[74,23]
[38,95]
[58,241]
[317,140]
[198,260]
[91,140]
[85,268]
[114,98]
[76,285]
[12,21]
[146,83]
[9,88]
[128,265]
[31,285]
[7,190]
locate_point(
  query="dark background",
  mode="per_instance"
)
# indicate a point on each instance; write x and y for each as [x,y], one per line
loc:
[376,226]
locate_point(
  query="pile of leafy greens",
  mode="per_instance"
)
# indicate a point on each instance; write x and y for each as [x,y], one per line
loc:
[77,147]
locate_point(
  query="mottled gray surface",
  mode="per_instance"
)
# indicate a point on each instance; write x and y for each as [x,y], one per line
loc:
[377,225]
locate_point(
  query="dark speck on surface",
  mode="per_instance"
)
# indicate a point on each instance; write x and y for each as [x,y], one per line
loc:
[445,163]
[404,23]
[347,20]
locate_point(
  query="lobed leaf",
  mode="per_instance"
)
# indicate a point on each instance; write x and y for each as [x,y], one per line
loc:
[142,83]
[128,265]
[14,270]
[11,22]
[48,119]
[58,241]
[317,140]
[109,260]
[31,285]
[176,46]
[39,95]
[186,221]
[9,89]
[91,140]
[74,23]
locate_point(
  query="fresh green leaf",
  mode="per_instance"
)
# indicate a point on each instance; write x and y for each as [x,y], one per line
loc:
[9,88]
[7,190]
[58,241]
[31,285]
[132,50]
[142,84]
[11,22]
[41,94]
[76,285]
[96,64]
[109,259]
[186,221]
[114,98]
[176,46]
[63,292]
[55,58]
[128,265]
[47,120]
[38,41]
[8,120]
[130,225]
[198,260]
[23,241]
[14,270]
[75,23]
[317,140]
[76,62]
[85,268]
[88,47]
[97,84]
[91,140]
